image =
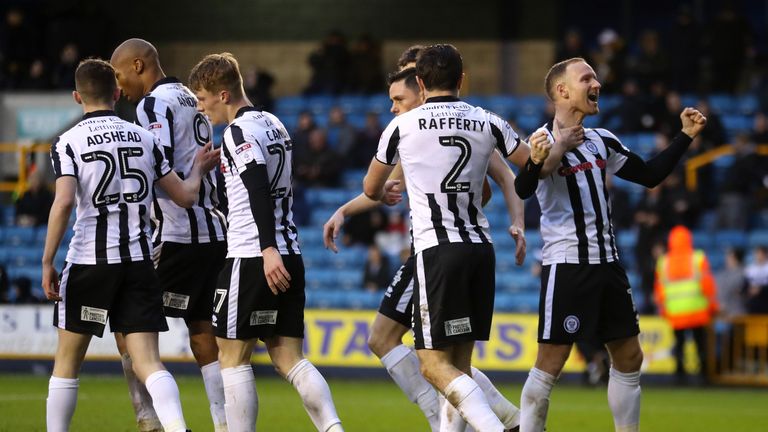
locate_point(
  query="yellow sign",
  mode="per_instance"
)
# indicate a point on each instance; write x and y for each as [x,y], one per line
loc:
[339,338]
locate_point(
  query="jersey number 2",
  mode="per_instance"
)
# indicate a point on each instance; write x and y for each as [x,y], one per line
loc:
[100,195]
[450,183]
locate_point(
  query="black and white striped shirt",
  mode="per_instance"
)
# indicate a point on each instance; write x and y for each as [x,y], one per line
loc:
[169,111]
[115,163]
[444,147]
[575,206]
[258,137]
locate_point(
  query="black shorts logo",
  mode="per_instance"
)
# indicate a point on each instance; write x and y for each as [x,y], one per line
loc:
[571,324]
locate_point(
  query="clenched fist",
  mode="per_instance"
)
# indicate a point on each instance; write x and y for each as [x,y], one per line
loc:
[693,122]
[540,147]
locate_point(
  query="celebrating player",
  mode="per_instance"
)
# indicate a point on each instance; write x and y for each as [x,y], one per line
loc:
[585,294]
[106,168]
[189,244]
[260,292]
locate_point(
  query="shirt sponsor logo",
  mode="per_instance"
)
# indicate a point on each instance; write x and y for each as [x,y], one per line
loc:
[93,314]
[458,326]
[175,301]
[571,324]
[155,126]
[566,171]
[263,317]
[243,148]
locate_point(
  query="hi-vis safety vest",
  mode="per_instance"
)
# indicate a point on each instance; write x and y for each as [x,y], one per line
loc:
[683,296]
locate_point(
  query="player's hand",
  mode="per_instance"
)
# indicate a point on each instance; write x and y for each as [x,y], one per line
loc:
[693,122]
[570,137]
[540,147]
[520,245]
[277,276]
[393,193]
[331,230]
[51,282]
[207,159]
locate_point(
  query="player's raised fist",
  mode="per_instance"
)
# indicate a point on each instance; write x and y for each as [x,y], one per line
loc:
[540,146]
[693,122]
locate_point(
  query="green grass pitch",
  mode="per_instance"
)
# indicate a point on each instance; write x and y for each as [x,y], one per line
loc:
[374,405]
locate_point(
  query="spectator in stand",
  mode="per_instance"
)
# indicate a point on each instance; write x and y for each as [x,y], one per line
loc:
[19,42]
[684,44]
[366,143]
[651,65]
[38,77]
[621,207]
[730,40]
[669,121]
[329,64]
[22,288]
[300,137]
[742,180]
[4,285]
[630,112]
[377,273]
[686,295]
[33,207]
[64,72]
[681,206]
[757,282]
[571,46]
[361,229]
[341,135]
[319,166]
[610,60]
[258,88]
[649,232]
[714,134]
[760,129]
[366,74]
[731,284]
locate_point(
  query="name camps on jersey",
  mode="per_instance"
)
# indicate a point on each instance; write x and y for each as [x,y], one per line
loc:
[575,206]
[169,111]
[115,163]
[258,137]
[444,147]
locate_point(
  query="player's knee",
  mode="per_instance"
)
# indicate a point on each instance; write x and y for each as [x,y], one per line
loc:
[377,345]
[629,361]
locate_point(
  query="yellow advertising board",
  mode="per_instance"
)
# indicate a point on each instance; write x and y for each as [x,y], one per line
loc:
[338,338]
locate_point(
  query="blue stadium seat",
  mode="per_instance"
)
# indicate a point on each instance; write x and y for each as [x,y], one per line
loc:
[646,144]
[320,216]
[702,240]
[353,179]
[758,238]
[476,100]
[748,104]
[16,236]
[25,256]
[7,215]
[347,258]
[517,302]
[329,197]
[385,118]
[290,105]
[505,106]
[353,104]
[311,236]
[534,105]
[321,104]
[722,103]
[33,272]
[379,103]
[528,123]
[730,238]
[290,121]
[735,123]
[626,239]
[517,281]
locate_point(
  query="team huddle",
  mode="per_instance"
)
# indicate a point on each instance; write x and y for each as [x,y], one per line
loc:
[152,240]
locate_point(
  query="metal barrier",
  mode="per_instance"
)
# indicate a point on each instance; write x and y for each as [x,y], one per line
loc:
[706,158]
[24,150]
[738,351]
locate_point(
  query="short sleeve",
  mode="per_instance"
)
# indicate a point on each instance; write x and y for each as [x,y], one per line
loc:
[63,159]
[242,150]
[390,139]
[617,152]
[153,115]
[161,165]
[506,139]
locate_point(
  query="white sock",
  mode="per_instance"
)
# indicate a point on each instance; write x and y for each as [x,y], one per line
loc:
[214,388]
[241,400]
[165,398]
[403,366]
[146,417]
[61,402]
[534,401]
[315,394]
[505,410]
[464,394]
[624,400]
[450,418]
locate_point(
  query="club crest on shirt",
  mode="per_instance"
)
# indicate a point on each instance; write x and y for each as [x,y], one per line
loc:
[592,147]
[571,324]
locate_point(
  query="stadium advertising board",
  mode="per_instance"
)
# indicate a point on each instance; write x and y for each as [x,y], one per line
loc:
[334,338]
